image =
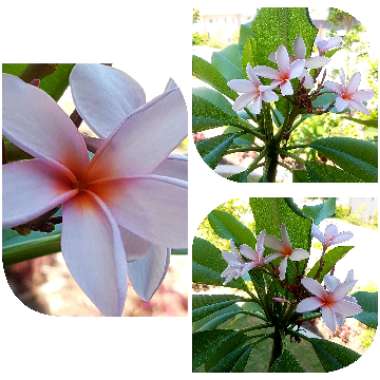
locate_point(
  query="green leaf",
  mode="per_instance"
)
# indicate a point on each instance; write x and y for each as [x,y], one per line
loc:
[208,264]
[333,356]
[219,317]
[371,123]
[316,172]
[248,54]
[331,258]
[213,149]
[232,361]
[204,305]
[241,177]
[321,211]
[324,101]
[228,62]
[14,68]
[275,26]
[270,213]
[207,345]
[368,301]
[245,32]
[242,360]
[286,363]
[228,227]
[357,157]
[209,74]
[216,99]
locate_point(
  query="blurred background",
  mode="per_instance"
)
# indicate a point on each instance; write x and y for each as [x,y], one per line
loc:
[358,215]
[216,24]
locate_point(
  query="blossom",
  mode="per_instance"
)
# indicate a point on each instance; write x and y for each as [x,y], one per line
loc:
[324,46]
[331,236]
[255,256]
[285,73]
[236,265]
[253,92]
[284,250]
[120,205]
[348,94]
[332,299]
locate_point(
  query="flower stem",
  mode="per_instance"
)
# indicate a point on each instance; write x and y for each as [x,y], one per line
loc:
[38,71]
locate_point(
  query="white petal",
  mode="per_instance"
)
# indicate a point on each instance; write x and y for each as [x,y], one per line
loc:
[174,166]
[135,246]
[94,252]
[31,188]
[273,256]
[308,81]
[248,252]
[317,233]
[104,96]
[282,58]
[251,75]
[316,62]
[342,237]
[256,106]
[272,242]
[308,304]
[331,231]
[286,88]
[333,86]
[296,68]
[340,104]
[147,273]
[328,317]
[152,132]
[33,121]
[363,95]
[260,241]
[343,289]
[284,236]
[266,72]
[241,85]
[282,268]
[333,43]
[231,258]
[331,282]
[357,106]
[346,308]
[269,96]
[354,83]
[242,101]
[313,286]
[152,207]
[299,254]
[300,48]
[339,319]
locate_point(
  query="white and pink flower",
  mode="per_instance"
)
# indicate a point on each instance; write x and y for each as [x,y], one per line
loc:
[253,92]
[286,71]
[325,45]
[283,248]
[333,299]
[236,264]
[331,236]
[122,209]
[348,93]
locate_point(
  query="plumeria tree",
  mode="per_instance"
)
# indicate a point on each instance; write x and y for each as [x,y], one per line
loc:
[261,318]
[115,205]
[263,89]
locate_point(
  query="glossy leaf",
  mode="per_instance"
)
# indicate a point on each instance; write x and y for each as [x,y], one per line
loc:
[333,356]
[355,156]
[321,211]
[368,301]
[219,317]
[286,363]
[332,256]
[228,227]
[232,361]
[228,62]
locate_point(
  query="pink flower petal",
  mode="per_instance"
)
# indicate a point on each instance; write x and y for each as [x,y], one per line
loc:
[135,247]
[354,83]
[242,101]
[296,68]
[248,252]
[31,188]
[308,304]
[299,254]
[331,282]
[286,88]
[251,74]
[147,273]
[231,258]
[33,121]
[341,104]
[317,233]
[94,253]
[343,289]
[272,242]
[363,95]
[241,85]
[266,72]
[285,236]
[273,256]
[313,286]
[333,43]
[308,81]
[357,106]
[153,207]
[268,95]
[282,57]
[104,96]
[256,106]
[331,231]
[346,308]
[333,86]
[329,318]
[260,241]
[282,268]
[300,48]
[316,62]
[174,166]
[342,237]
[151,133]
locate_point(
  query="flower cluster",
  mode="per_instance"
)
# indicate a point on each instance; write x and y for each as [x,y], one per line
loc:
[306,70]
[332,298]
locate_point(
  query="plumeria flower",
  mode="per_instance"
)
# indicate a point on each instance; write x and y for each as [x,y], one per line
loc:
[124,192]
[324,46]
[331,236]
[255,256]
[253,92]
[284,250]
[348,93]
[236,264]
[93,85]
[285,72]
[333,300]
